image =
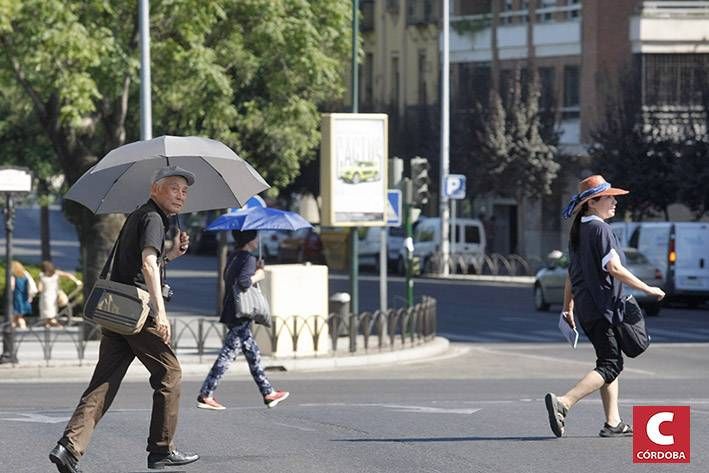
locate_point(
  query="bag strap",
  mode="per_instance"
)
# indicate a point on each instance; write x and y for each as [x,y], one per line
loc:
[108,265]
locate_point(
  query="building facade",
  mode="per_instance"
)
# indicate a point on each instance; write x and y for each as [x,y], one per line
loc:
[580,49]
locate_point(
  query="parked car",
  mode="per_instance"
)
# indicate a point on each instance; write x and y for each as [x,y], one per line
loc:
[301,246]
[360,171]
[681,251]
[468,239]
[549,281]
[369,245]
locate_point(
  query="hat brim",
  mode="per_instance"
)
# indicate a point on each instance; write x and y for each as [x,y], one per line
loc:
[609,191]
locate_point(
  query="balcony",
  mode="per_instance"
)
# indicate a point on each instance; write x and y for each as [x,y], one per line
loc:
[671,27]
[471,35]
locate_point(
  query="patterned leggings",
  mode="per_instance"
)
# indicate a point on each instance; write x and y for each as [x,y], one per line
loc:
[239,338]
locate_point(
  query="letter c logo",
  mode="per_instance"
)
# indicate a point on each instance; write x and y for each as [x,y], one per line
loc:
[653,428]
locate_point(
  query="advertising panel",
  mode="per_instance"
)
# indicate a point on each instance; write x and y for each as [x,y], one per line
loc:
[353,171]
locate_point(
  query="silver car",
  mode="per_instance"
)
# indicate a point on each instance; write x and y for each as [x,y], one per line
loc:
[549,281]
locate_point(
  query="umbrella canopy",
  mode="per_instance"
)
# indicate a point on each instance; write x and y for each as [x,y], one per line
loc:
[259,218]
[120,182]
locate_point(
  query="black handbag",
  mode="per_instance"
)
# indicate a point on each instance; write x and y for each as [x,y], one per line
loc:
[629,324]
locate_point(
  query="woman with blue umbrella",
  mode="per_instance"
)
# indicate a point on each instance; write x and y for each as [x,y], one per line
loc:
[243,271]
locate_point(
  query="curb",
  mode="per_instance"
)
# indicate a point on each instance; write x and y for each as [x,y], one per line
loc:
[193,369]
[522,280]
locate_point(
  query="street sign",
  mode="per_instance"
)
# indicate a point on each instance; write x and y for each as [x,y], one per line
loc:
[455,186]
[14,179]
[393,213]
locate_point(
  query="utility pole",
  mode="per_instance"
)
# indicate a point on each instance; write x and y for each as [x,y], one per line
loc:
[354,248]
[445,124]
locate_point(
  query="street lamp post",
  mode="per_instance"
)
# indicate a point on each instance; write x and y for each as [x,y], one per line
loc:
[146,111]
[12,180]
[445,138]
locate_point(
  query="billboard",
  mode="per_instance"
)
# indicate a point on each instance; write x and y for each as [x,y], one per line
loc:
[353,169]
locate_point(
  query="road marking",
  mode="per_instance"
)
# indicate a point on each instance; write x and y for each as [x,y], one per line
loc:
[397,408]
[305,429]
[36,418]
[553,359]
[508,335]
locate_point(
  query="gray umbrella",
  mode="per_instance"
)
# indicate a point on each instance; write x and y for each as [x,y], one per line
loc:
[120,182]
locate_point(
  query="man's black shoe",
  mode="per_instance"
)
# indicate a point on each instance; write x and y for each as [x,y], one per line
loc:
[158,461]
[65,461]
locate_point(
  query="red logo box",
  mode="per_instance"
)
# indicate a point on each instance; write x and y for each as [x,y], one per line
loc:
[661,434]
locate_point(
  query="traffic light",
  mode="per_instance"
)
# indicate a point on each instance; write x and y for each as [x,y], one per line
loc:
[420,181]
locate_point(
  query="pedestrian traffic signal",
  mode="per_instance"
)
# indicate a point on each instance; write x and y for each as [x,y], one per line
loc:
[420,181]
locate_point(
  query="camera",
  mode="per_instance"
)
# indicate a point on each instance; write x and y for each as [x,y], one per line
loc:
[167,292]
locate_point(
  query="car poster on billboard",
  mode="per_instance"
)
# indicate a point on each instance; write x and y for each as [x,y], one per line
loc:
[353,171]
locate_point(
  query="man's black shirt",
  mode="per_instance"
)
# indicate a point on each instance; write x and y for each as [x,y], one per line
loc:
[144,228]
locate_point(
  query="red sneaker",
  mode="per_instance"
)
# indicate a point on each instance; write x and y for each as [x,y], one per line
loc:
[275,397]
[209,403]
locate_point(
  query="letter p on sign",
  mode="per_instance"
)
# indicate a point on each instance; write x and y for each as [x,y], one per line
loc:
[661,434]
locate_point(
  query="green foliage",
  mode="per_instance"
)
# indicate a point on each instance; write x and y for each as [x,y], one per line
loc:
[248,72]
[471,26]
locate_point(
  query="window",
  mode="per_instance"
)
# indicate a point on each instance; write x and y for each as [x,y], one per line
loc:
[546,88]
[367,11]
[674,79]
[545,16]
[576,12]
[571,86]
[422,77]
[424,233]
[369,79]
[420,12]
[395,81]
[472,234]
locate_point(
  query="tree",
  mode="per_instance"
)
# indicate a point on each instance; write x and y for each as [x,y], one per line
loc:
[23,144]
[660,166]
[515,153]
[250,73]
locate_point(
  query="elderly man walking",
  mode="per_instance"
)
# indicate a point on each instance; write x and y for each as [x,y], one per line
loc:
[140,258]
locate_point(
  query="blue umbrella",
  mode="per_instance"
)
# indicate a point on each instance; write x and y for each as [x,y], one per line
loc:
[259,218]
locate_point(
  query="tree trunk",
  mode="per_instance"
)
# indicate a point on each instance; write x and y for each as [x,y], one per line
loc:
[44,233]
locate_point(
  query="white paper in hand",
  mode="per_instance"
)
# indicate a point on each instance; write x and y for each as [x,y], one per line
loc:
[570,334]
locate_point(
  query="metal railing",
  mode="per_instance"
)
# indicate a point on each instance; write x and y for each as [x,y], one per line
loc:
[382,330]
[493,264]
[75,330]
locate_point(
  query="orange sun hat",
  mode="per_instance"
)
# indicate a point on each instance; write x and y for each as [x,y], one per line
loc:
[592,186]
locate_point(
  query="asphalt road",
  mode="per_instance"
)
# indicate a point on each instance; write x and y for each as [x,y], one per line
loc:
[477,409]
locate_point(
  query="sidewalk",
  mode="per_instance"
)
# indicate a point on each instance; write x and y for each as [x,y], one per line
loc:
[64,364]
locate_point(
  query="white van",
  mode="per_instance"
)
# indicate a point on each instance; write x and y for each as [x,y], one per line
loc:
[369,244]
[681,251]
[469,239]
[623,231]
